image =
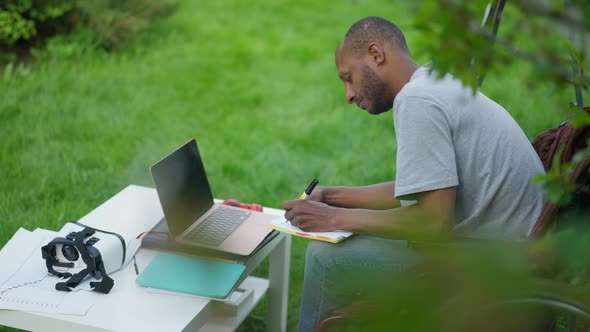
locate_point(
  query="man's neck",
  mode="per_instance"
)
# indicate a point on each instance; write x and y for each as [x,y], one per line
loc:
[400,73]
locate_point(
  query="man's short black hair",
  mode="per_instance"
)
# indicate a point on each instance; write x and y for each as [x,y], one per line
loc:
[373,29]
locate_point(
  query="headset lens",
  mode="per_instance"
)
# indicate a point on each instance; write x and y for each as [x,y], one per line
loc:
[70,252]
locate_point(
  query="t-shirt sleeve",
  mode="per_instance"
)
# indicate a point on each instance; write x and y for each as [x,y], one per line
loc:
[425,151]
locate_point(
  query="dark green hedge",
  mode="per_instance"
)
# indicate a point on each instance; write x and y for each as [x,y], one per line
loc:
[112,22]
[22,20]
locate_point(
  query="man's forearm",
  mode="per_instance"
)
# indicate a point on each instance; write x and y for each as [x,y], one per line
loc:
[410,222]
[374,197]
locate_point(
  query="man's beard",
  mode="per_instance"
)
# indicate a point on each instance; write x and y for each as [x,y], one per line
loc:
[375,91]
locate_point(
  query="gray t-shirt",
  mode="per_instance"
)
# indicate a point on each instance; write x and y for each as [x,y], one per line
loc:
[447,136]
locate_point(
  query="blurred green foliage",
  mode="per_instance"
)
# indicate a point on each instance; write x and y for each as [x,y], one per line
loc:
[260,93]
[453,30]
[475,286]
[557,184]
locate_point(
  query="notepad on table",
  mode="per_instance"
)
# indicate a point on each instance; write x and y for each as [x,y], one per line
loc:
[191,275]
[283,225]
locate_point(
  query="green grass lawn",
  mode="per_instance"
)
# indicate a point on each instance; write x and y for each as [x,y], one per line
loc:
[253,82]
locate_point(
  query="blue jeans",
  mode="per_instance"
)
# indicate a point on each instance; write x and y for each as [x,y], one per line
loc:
[337,273]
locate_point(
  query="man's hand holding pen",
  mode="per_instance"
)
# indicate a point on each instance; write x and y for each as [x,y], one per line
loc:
[309,212]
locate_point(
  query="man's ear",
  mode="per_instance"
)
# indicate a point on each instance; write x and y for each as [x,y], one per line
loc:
[376,53]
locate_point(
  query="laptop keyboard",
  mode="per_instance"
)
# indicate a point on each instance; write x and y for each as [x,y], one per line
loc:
[217,226]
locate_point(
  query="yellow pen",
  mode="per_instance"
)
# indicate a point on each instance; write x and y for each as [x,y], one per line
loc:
[309,189]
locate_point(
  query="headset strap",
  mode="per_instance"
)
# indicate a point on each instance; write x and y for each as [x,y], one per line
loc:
[81,246]
[103,286]
[73,282]
[93,265]
[121,239]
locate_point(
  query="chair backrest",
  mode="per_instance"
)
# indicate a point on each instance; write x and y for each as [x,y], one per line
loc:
[570,141]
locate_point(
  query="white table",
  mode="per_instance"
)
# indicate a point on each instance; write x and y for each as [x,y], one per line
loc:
[129,307]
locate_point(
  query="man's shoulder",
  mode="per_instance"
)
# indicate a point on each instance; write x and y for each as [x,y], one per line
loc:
[431,88]
[446,93]
[426,94]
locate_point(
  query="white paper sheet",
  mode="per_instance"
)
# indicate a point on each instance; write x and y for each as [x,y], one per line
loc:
[25,283]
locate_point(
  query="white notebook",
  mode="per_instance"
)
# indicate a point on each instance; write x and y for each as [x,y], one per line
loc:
[283,225]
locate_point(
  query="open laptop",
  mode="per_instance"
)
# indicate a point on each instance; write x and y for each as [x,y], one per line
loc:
[189,210]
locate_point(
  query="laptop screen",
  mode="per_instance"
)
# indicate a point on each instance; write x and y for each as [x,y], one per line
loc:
[182,186]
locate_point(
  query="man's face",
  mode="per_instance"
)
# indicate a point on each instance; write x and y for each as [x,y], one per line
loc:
[362,84]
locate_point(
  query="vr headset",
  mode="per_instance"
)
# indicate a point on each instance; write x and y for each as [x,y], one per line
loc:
[82,252]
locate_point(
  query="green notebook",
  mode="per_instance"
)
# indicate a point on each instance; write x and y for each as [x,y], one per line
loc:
[191,275]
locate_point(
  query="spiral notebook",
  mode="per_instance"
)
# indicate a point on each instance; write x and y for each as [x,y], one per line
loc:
[283,225]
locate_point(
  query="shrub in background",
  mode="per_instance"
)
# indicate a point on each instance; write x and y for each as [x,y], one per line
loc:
[114,22]
[106,24]
[13,27]
[21,20]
